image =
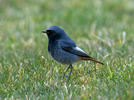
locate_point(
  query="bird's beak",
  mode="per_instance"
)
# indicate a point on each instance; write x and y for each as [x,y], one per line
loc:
[44,31]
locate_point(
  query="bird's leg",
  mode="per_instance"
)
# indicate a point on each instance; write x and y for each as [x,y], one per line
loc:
[66,71]
[70,71]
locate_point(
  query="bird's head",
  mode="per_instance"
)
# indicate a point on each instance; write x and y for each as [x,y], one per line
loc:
[54,32]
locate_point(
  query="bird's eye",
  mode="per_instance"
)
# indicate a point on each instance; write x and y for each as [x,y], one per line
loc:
[49,31]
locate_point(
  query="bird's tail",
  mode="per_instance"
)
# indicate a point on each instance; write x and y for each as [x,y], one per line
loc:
[92,59]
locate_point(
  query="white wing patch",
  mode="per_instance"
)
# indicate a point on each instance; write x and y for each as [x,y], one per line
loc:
[79,49]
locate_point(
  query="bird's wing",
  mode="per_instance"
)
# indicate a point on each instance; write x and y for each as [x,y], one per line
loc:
[70,46]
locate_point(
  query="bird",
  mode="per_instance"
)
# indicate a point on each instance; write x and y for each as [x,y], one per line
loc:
[64,50]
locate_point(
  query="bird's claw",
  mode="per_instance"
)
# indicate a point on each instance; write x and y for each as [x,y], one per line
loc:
[70,66]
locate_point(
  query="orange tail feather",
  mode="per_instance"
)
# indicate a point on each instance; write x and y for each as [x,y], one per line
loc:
[92,59]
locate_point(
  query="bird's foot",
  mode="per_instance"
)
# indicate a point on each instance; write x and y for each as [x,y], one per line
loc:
[70,66]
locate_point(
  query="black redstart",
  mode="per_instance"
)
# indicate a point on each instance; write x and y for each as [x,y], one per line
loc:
[63,49]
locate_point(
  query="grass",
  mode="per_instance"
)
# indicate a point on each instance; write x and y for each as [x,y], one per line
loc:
[104,29]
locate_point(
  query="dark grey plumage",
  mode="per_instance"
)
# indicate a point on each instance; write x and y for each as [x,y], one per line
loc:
[63,49]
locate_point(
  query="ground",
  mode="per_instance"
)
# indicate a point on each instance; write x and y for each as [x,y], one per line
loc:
[102,28]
